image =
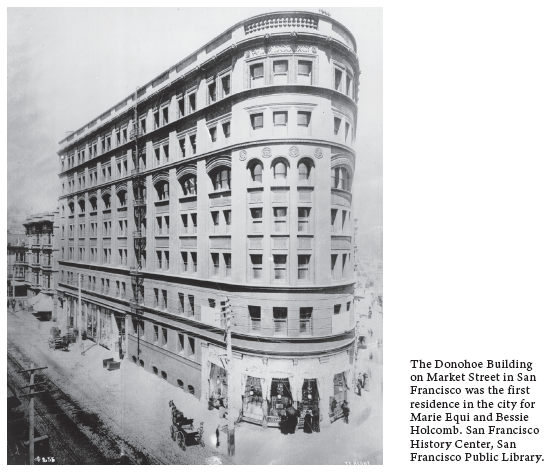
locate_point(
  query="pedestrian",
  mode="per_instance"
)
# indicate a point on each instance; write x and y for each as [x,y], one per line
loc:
[283,423]
[345,411]
[359,386]
[333,405]
[292,421]
[308,422]
[218,436]
[316,420]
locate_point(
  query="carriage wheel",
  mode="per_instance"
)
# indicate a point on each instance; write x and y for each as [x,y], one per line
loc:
[172,432]
[181,440]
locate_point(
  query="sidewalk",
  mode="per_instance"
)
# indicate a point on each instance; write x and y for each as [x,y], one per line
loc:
[134,404]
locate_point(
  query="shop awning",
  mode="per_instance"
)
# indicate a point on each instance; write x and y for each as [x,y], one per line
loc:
[35,299]
[46,304]
[15,283]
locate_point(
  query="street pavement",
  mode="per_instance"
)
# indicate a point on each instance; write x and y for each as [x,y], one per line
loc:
[133,405]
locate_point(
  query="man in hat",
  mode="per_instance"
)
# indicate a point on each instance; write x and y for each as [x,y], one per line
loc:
[345,411]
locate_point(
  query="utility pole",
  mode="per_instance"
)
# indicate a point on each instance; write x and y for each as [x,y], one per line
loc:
[31,394]
[79,315]
[231,410]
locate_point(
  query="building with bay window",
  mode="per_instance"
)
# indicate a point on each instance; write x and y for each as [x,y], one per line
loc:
[228,177]
[40,263]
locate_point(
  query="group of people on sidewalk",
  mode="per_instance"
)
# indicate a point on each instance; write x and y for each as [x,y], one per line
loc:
[362,383]
[289,419]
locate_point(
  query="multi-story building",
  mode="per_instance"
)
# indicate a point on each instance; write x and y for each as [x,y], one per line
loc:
[17,248]
[41,262]
[227,179]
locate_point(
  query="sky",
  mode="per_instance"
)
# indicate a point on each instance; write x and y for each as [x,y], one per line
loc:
[67,66]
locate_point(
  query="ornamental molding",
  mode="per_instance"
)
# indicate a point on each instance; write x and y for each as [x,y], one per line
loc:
[318,153]
[243,155]
[294,151]
[266,153]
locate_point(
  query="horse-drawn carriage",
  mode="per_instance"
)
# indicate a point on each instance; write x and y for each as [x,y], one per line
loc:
[182,428]
[56,341]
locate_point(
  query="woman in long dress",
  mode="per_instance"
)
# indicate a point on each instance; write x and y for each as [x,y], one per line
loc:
[308,422]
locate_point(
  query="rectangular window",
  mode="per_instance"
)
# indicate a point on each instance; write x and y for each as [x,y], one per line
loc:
[227,262]
[215,264]
[226,85]
[164,337]
[164,300]
[304,267]
[303,118]
[348,85]
[304,73]
[346,132]
[257,75]
[280,118]
[192,144]
[123,290]
[343,264]
[280,321]
[193,262]
[159,259]
[181,107]
[333,265]
[180,343]
[191,346]
[255,318]
[157,156]
[143,125]
[181,303]
[166,156]
[166,256]
[192,104]
[256,266]
[212,132]
[227,218]
[215,221]
[257,121]
[280,72]
[338,80]
[155,334]
[182,145]
[212,92]
[305,327]
[280,220]
[344,221]
[256,216]
[165,116]
[184,261]
[118,289]
[226,129]
[280,267]
[155,298]
[333,219]
[191,302]
[155,120]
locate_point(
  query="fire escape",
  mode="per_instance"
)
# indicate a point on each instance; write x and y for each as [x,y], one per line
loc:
[138,187]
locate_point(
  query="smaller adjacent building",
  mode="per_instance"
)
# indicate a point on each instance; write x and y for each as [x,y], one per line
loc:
[17,248]
[41,262]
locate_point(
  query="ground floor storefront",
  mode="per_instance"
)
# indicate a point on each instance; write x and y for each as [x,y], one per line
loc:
[261,390]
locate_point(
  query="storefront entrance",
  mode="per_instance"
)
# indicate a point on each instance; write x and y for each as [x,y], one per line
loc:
[92,327]
[105,328]
[340,394]
[281,398]
[253,400]
[310,402]
[218,386]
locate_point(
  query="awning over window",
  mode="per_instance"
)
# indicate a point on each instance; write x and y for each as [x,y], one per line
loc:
[15,283]
[46,304]
[35,299]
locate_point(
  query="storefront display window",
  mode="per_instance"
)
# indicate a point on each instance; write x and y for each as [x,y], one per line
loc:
[218,386]
[252,398]
[280,396]
[340,388]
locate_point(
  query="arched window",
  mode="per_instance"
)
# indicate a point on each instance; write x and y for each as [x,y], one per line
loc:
[221,178]
[189,185]
[340,178]
[255,168]
[162,190]
[304,171]
[82,206]
[107,201]
[280,170]
[122,199]
[94,204]
[71,208]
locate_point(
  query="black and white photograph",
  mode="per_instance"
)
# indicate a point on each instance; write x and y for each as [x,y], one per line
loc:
[195,236]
